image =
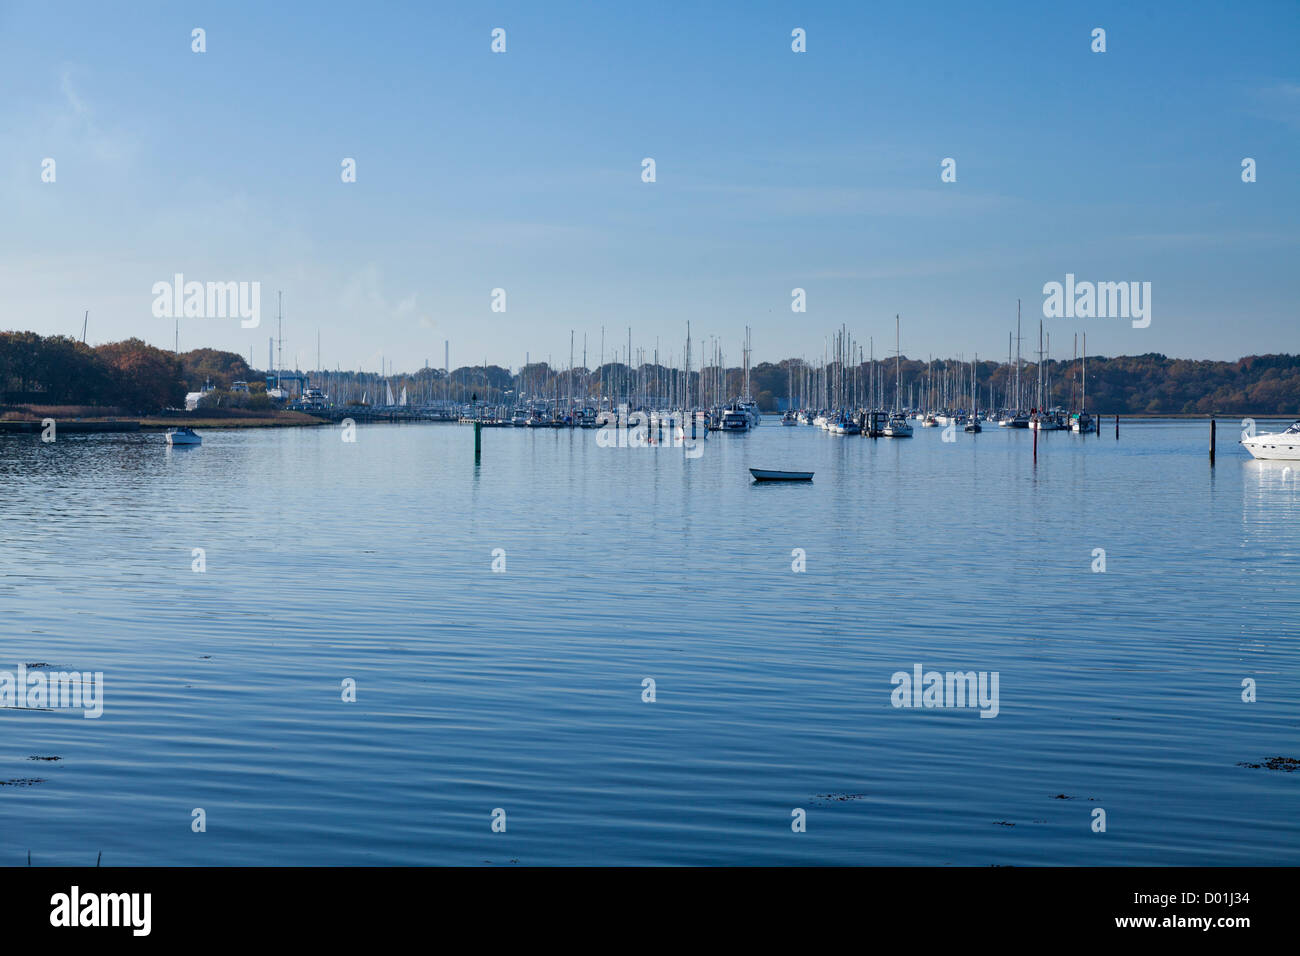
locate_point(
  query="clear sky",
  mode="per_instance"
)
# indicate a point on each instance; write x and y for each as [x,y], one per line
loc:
[774,170]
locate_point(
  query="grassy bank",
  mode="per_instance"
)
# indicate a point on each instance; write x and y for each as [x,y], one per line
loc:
[243,419]
[207,418]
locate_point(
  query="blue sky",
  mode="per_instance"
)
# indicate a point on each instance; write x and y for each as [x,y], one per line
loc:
[775,170]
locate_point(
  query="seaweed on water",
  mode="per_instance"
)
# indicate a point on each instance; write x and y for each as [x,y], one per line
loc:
[1285,764]
[838,797]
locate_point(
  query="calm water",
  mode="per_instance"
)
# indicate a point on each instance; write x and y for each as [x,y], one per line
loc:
[523,690]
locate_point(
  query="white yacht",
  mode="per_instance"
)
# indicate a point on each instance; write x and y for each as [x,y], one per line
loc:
[897,427]
[183,436]
[734,420]
[1280,446]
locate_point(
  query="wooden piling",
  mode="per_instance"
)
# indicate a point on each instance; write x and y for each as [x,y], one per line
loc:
[478,440]
[1211,442]
[1117,428]
[1035,431]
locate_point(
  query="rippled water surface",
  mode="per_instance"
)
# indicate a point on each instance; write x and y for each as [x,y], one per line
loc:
[523,691]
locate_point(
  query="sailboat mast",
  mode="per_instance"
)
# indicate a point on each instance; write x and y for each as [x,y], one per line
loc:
[898,366]
[1019,397]
[1040,365]
[1083,401]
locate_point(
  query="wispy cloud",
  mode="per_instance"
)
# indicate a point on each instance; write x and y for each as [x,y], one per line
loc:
[78,121]
[363,295]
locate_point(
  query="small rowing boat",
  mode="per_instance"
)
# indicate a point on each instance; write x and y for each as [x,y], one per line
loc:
[763,474]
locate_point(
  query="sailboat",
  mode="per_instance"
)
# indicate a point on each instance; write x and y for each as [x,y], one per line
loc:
[1043,420]
[1083,423]
[897,426]
[974,424]
[1015,418]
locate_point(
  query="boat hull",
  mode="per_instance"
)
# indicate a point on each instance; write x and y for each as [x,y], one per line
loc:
[763,474]
[1273,447]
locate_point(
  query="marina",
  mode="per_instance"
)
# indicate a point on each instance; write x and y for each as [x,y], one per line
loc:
[434,436]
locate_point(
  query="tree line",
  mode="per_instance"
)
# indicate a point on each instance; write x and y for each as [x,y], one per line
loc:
[1149,384]
[137,377]
[131,375]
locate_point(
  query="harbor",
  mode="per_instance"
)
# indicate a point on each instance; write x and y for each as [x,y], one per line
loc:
[605,436]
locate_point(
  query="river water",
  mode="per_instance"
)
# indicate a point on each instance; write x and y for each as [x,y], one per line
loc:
[770,618]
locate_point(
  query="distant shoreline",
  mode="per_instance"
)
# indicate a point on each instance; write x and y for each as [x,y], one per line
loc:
[31,418]
[33,421]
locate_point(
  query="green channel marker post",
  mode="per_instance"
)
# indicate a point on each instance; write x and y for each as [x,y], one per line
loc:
[478,441]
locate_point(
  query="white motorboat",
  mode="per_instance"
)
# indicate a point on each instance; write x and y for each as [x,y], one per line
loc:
[183,436]
[1014,420]
[1276,446]
[734,420]
[897,427]
[845,426]
[789,419]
